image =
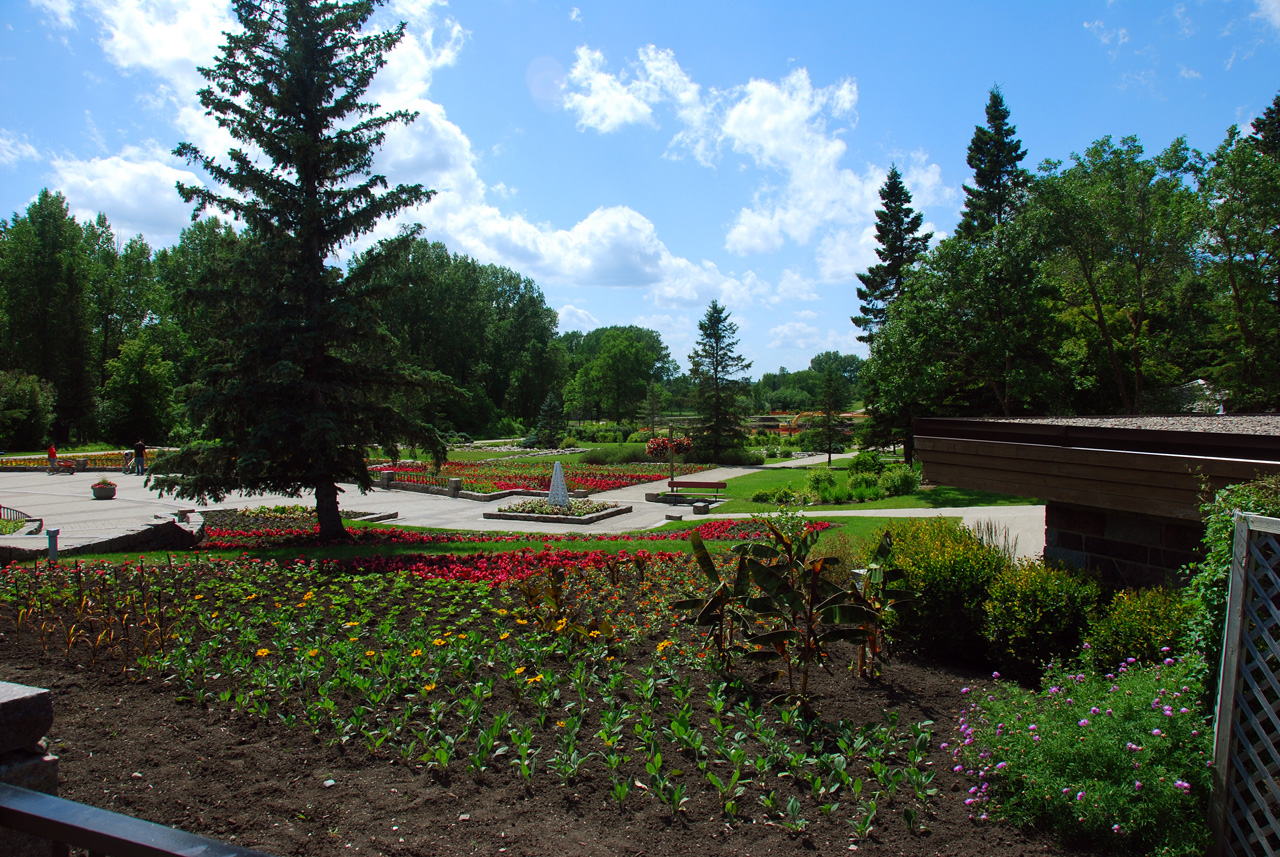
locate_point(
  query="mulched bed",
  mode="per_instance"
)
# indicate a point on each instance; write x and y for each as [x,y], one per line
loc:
[131,747]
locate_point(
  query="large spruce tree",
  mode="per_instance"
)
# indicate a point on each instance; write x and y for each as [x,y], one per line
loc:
[897,226]
[1266,130]
[716,369]
[305,376]
[999,183]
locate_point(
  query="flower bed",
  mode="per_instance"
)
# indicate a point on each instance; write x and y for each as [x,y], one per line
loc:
[222,538]
[542,506]
[488,477]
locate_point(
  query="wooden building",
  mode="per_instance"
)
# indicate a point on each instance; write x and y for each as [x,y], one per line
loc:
[1122,494]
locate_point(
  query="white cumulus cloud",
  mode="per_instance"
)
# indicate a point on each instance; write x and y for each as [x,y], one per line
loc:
[1269,11]
[572,318]
[13,150]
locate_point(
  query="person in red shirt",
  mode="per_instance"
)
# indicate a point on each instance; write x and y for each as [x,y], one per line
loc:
[53,456]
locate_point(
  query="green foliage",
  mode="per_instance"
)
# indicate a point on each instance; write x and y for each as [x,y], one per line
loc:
[998,181]
[137,399]
[1212,574]
[26,410]
[1117,762]
[715,370]
[897,228]
[1036,613]
[866,461]
[728,456]
[623,453]
[951,571]
[864,480]
[305,375]
[551,423]
[899,479]
[1145,624]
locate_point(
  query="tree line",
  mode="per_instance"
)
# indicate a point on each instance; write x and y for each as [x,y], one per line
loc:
[1120,282]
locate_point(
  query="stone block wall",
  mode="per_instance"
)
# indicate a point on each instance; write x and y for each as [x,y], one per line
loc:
[1128,550]
[26,713]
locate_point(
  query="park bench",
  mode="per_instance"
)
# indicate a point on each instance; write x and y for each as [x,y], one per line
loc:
[677,484]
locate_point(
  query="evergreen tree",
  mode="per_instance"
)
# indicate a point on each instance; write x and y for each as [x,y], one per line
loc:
[552,425]
[999,183]
[716,367]
[829,426]
[1266,130]
[896,228]
[307,375]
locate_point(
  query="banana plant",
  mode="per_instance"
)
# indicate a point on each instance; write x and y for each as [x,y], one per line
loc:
[813,610]
[723,610]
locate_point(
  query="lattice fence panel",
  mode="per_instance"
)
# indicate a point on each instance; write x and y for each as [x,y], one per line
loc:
[1246,805]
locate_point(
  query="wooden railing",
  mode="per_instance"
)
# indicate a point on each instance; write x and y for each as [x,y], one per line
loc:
[103,833]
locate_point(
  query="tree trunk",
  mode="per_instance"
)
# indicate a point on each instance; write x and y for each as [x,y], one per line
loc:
[327,514]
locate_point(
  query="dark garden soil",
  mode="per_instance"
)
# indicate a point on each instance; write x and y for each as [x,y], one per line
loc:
[131,747]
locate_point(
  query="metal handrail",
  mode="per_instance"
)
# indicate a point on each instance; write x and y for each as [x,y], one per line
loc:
[8,514]
[76,825]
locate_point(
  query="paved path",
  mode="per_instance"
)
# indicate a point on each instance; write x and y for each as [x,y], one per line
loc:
[65,502]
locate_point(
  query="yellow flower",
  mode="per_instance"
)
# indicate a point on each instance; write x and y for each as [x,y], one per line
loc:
[262,653]
[350,624]
[368,653]
[594,634]
[214,615]
[504,635]
[519,670]
[560,625]
[416,653]
[664,644]
[501,612]
[538,677]
[522,621]
[199,597]
[308,596]
[352,639]
[427,688]
[461,636]
[437,642]
[311,653]
[559,724]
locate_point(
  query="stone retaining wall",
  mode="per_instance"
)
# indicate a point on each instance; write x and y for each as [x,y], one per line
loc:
[26,713]
[1128,550]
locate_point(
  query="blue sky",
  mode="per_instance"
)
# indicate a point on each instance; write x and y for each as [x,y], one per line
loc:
[640,159]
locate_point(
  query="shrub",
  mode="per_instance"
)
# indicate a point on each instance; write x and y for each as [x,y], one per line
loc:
[950,570]
[870,494]
[1140,623]
[1094,760]
[1036,613]
[640,437]
[899,479]
[816,479]
[728,457]
[762,496]
[866,461]
[620,454]
[863,479]
[1209,585]
[569,442]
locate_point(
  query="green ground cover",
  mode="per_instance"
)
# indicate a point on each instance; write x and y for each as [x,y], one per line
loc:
[740,489]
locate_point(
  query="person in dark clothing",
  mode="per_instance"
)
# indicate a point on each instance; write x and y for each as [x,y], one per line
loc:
[140,457]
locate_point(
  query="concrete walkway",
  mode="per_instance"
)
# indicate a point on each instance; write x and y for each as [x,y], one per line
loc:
[65,502]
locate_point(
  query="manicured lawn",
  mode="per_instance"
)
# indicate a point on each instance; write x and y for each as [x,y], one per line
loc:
[741,488]
[479,454]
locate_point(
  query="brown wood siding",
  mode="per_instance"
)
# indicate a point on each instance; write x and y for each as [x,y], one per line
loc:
[1164,485]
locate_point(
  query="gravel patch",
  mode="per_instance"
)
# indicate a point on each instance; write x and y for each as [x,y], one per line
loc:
[1256,424]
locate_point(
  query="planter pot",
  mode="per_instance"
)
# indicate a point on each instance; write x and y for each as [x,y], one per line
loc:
[104,492]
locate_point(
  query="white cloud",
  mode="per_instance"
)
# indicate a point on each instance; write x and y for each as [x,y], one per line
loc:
[13,150]
[572,318]
[135,189]
[1188,73]
[1186,27]
[604,102]
[1116,38]
[794,287]
[807,314]
[1269,11]
[575,14]
[803,337]
[59,11]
